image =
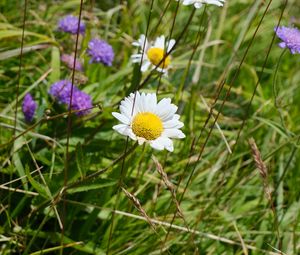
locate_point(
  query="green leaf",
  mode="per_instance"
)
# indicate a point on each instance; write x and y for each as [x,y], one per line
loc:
[55,65]
[98,184]
[16,52]
[136,78]
[41,189]
[19,166]
[80,162]
[14,33]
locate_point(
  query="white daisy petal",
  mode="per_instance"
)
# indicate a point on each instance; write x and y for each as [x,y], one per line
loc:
[141,103]
[136,102]
[166,142]
[121,128]
[153,99]
[170,148]
[173,123]
[145,48]
[173,133]
[151,102]
[147,102]
[141,140]
[171,44]
[127,101]
[145,66]
[125,130]
[121,117]
[137,44]
[156,144]
[126,106]
[143,42]
[186,2]
[163,103]
[136,58]
[165,109]
[126,111]
[132,97]
[130,104]
[161,70]
[199,3]
[140,41]
[131,134]
[160,42]
[144,102]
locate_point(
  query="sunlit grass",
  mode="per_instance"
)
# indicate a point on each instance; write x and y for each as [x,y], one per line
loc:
[85,189]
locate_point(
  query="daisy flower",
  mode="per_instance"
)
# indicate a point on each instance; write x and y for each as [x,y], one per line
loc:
[146,120]
[290,37]
[152,54]
[199,3]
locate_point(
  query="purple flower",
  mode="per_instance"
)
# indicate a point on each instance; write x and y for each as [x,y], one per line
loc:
[69,61]
[100,52]
[81,101]
[290,38]
[61,91]
[69,24]
[28,107]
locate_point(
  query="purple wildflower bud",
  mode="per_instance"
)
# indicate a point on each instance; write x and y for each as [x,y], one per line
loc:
[290,38]
[28,107]
[100,52]
[69,61]
[61,91]
[69,24]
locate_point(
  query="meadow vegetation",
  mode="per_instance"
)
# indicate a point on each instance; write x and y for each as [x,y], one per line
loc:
[71,184]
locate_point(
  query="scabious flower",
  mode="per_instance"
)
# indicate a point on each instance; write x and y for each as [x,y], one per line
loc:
[199,3]
[100,52]
[81,102]
[290,37]
[28,107]
[153,55]
[145,120]
[69,24]
[69,61]
[61,91]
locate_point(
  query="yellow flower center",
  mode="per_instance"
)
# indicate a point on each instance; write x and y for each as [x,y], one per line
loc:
[156,55]
[147,125]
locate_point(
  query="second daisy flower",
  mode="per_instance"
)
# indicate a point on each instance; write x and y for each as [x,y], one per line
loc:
[153,55]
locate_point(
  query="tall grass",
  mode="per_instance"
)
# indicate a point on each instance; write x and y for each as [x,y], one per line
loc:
[72,185]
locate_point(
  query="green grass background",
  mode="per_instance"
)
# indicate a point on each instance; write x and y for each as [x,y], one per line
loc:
[225,209]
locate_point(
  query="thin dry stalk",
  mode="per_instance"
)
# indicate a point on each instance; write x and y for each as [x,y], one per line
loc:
[22,177]
[245,249]
[168,184]
[19,190]
[46,186]
[138,206]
